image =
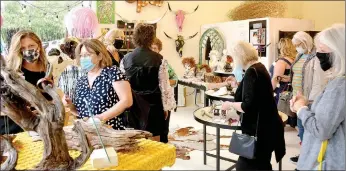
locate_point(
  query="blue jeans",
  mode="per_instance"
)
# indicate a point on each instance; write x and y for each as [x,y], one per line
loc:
[300,129]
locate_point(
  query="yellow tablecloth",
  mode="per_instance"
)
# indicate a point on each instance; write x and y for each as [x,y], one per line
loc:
[151,155]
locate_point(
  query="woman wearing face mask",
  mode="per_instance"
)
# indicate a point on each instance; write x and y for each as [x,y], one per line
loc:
[307,75]
[114,40]
[324,122]
[27,57]
[104,90]
[254,98]
[173,80]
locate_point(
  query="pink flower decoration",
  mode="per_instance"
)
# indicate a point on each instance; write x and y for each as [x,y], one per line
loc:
[81,22]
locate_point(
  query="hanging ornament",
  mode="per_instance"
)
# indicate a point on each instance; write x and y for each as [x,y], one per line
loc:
[81,22]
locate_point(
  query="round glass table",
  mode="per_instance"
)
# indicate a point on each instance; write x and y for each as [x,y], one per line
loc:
[206,117]
[209,95]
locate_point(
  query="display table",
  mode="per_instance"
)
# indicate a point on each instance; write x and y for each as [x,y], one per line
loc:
[193,83]
[210,96]
[206,120]
[223,74]
[151,155]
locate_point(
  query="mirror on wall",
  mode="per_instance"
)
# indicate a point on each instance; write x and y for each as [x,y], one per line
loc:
[211,39]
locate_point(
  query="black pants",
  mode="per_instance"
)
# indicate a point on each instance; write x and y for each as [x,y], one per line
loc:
[164,135]
[262,162]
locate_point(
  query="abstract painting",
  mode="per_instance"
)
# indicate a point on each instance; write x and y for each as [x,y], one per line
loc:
[105,11]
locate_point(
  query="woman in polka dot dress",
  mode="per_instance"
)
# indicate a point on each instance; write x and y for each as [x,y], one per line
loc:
[104,90]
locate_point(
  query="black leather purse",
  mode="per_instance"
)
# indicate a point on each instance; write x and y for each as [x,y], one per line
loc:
[242,144]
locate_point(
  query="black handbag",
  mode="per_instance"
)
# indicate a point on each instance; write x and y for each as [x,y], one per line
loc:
[242,144]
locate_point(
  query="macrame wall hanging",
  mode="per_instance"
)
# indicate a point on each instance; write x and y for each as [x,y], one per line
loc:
[141,4]
[258,9]
[180,16]
[180,42]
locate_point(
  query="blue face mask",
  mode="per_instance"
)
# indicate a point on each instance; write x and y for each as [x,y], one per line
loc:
[86,63]
[238,73]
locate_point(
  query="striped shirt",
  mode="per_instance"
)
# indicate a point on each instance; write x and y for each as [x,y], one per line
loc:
[297,79]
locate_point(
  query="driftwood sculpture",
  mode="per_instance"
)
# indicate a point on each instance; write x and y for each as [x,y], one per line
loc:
[18,95]
[9,161]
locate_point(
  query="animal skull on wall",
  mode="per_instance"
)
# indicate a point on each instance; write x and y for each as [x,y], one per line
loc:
[180,16]
[180,42]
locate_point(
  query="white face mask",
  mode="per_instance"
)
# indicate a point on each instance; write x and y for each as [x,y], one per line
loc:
[300,50]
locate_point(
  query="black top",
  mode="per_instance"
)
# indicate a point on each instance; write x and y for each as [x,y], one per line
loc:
[142,69]
[32,77]
[258,100]
[100,97]
[287,71]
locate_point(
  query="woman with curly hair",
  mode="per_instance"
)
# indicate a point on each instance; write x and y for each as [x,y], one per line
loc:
[147,72]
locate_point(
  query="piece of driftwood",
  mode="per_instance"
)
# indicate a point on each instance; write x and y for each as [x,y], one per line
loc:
[17,96]
[118,139]
[8,154]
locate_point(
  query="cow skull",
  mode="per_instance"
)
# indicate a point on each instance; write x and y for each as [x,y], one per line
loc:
[180,42]
[180,16]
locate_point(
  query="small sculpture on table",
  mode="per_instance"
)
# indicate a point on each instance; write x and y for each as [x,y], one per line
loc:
[190,67]
[202,70]
[216,63]
[229,62]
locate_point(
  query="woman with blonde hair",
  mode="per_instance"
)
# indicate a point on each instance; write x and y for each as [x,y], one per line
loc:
[254,99]
[114,40]
[27,57]
[323,147]
[307,75]
[282,67]
[104,90]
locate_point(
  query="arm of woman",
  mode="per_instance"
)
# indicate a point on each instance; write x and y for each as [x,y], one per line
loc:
[279,70]
[319,79]
[328,115]
[167,93]
[248,103]
[123,90]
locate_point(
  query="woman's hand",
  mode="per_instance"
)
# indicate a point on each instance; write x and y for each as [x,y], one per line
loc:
[166,114]
[298,101]
[66,101]
[226,105]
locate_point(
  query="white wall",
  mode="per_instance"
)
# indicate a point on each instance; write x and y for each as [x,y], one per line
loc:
[208,12]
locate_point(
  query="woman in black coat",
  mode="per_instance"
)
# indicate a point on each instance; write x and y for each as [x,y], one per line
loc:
[254,98]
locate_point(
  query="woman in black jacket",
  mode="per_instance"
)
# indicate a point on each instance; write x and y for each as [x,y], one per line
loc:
[254,98]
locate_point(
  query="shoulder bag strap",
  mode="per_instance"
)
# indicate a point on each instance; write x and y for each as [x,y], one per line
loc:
[258,111]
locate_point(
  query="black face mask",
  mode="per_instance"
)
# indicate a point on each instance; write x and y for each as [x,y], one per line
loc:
[324,60]
[118,44]
[31,55]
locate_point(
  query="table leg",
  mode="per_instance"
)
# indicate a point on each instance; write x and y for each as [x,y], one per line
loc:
[205,144]
[217,148]
[176,97]
[280,165]
[206,101]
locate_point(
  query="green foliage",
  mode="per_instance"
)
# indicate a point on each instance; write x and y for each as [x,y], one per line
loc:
[47,26]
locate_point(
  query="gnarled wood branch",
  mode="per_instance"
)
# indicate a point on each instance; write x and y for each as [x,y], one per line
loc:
[6,147]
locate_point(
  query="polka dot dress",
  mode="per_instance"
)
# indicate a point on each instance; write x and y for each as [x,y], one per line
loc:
[101,97]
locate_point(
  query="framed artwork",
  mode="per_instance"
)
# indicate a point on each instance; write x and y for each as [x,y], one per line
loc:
[257,36]
[254,39]
[105,11]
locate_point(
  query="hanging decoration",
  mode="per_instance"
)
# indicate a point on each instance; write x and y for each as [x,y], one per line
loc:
[81,22]
[180,16]
[258,9]
[105,12]
[180,42]
[141,4]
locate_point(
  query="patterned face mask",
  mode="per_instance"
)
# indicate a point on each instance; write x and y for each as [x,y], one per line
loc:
[31,55]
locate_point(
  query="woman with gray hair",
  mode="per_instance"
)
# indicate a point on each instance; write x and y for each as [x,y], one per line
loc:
[307,76]
[254,98]
[323,147]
